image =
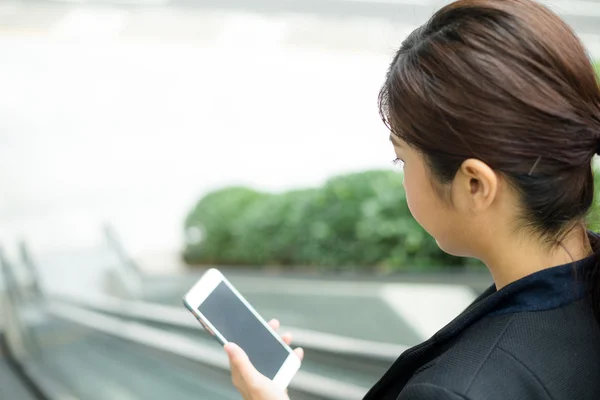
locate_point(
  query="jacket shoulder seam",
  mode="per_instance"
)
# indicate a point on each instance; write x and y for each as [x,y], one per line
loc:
[489,353]
[533,375]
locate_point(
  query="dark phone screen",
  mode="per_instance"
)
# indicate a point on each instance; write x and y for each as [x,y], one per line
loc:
[226,312]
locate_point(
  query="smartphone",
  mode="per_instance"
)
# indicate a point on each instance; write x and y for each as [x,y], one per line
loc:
[228,316]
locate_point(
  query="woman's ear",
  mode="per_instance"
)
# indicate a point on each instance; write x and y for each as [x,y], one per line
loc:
[475,185]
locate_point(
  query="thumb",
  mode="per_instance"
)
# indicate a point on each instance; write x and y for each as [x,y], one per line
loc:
[240,362]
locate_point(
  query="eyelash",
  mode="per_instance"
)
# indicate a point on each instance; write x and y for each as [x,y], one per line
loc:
[398,162]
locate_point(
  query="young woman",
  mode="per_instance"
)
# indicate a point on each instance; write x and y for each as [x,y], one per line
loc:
[494,111]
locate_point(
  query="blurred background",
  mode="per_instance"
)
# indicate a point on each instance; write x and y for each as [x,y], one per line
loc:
[143,141]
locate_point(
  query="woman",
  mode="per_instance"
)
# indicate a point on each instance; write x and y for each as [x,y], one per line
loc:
[494,110]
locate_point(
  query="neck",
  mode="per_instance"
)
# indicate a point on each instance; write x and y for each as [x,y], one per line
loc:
[511,260]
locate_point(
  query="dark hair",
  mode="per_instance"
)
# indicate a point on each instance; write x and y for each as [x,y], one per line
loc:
[509,83]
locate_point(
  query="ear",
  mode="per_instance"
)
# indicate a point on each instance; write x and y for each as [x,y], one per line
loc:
[475,185]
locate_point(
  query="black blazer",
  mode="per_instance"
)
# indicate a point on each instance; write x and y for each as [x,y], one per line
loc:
[537,338]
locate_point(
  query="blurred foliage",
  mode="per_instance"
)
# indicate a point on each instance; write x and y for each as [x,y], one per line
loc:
[213,217]
[594,215]
[356,220]
[596,66]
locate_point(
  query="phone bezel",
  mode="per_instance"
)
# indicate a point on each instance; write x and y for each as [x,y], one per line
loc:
[200,292]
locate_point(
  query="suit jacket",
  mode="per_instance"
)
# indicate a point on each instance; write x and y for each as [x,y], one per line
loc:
[536,338]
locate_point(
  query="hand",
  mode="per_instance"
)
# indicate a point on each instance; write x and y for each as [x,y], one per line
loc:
[249,382]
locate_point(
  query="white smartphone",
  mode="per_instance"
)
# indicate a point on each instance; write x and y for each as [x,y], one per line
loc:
[228,316]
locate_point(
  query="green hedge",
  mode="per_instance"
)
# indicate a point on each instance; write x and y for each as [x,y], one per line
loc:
[355,220]
[593,220]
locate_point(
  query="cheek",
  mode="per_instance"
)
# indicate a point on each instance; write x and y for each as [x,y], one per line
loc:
[429,211]
[418,199]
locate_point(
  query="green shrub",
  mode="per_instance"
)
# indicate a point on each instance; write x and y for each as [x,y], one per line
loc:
[594,216]
[213,218]
[355,220]
[270,231]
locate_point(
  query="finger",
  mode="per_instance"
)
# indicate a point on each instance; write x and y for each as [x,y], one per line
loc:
[287,338]
[274,324]
[300,353]
[240,363]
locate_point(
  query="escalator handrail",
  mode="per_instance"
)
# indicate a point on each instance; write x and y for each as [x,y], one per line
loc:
[179,317]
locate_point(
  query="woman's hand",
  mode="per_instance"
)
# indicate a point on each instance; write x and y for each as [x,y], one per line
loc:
[249,382]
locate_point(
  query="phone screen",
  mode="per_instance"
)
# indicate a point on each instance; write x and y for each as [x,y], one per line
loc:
[237,324]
